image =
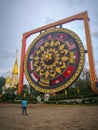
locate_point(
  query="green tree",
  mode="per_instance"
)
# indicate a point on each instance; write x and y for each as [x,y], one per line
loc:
[2,83]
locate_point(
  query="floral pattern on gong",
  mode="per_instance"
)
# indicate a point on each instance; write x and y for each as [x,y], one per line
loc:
[54,60]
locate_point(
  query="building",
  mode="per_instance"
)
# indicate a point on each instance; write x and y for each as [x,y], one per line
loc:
[12,77]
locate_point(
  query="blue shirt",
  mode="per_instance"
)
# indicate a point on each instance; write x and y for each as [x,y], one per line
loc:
[24,103]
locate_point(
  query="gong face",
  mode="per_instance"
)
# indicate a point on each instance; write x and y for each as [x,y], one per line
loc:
[54,60]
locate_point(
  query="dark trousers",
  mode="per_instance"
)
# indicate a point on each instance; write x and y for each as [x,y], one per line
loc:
[24,111]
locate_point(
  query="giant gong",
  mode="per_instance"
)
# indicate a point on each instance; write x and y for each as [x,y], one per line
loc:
[54,60]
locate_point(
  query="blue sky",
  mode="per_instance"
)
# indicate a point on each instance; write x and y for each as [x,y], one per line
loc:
[20,16]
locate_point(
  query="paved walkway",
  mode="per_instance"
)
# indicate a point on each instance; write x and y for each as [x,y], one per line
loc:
[49,117]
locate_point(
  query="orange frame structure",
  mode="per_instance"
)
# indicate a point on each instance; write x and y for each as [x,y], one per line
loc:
[81,16]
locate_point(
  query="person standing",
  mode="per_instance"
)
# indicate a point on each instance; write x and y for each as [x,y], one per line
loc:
[24,107]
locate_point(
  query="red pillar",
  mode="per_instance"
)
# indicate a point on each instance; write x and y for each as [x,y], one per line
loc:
[21,76]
